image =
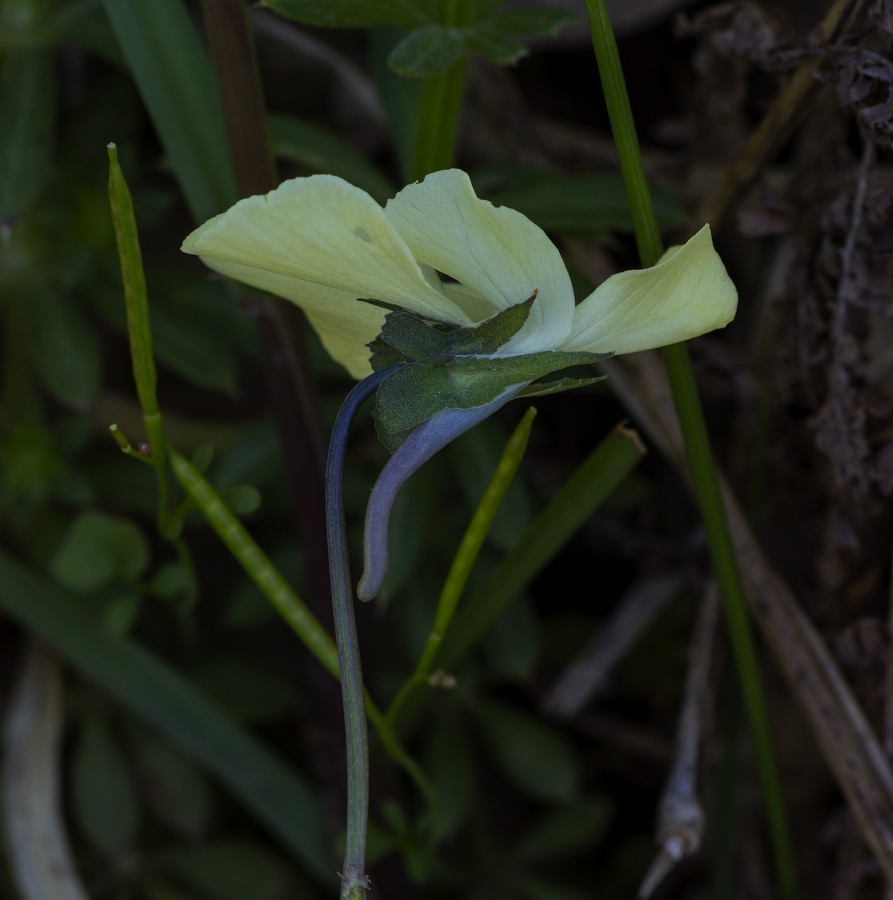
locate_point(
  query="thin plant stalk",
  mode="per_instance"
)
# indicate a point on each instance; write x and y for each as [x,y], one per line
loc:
[691,420]
[353,874]
[440,105]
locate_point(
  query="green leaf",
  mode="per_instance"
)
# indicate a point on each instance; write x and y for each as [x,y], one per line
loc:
[98,550]
[428,51]
[103,792]
[62,347]
[541,23]
[27,101]
[175,79]
[578,828]
[317,150]
[351,13]
[278,796]
[498,46]
[230,869]
[537,757]
[175,789]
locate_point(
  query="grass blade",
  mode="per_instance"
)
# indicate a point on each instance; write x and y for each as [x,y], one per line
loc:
[174,77]
[280,798]
[604,469]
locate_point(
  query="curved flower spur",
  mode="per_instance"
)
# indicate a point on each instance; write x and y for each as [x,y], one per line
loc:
[440,355]
[459,348]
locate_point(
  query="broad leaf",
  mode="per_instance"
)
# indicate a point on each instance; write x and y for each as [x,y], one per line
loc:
[429,51]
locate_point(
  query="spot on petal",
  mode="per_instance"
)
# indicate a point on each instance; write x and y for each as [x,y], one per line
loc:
[362,234]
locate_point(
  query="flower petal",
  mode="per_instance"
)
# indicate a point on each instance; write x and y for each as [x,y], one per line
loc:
[686,294]
[344,324]
[496,252]
[322,230]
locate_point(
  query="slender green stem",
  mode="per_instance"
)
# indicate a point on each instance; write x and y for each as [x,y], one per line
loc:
[139,329]
[468,551]
[254,561]
[440,105]
[703,469]
[353,876]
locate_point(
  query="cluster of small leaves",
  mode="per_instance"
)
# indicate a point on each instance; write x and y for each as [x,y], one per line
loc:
[430,47]
[442,366]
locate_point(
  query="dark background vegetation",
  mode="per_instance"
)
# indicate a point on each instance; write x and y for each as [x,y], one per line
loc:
[534,805]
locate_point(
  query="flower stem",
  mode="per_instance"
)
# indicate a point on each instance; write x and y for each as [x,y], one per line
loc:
[697,444]
[440,105]
[353,877]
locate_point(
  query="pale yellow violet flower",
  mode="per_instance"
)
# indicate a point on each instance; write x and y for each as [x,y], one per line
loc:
[439,252]
[322,243]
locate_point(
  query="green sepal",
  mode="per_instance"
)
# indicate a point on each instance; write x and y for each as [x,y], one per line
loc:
[408,337]
[422,389]
[563,384]
[492,333]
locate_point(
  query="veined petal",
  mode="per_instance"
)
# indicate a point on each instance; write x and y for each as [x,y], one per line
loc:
[345,325]
[686,294]
[495,251]
[322,230]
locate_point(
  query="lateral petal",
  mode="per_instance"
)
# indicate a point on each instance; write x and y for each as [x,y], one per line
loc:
[686,294]
[496,252]
[325,231]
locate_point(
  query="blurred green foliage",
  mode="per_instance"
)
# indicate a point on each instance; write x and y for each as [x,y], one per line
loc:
[190,729]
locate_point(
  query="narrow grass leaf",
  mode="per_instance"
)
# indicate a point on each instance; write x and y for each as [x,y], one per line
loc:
[603,470]
[175,79]
[278,796]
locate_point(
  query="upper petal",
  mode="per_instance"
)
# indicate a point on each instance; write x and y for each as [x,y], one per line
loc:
[495,251]
[325,231]
[686,294]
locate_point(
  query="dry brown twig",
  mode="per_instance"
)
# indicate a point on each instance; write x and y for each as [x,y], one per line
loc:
[680,823]
[848,743]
